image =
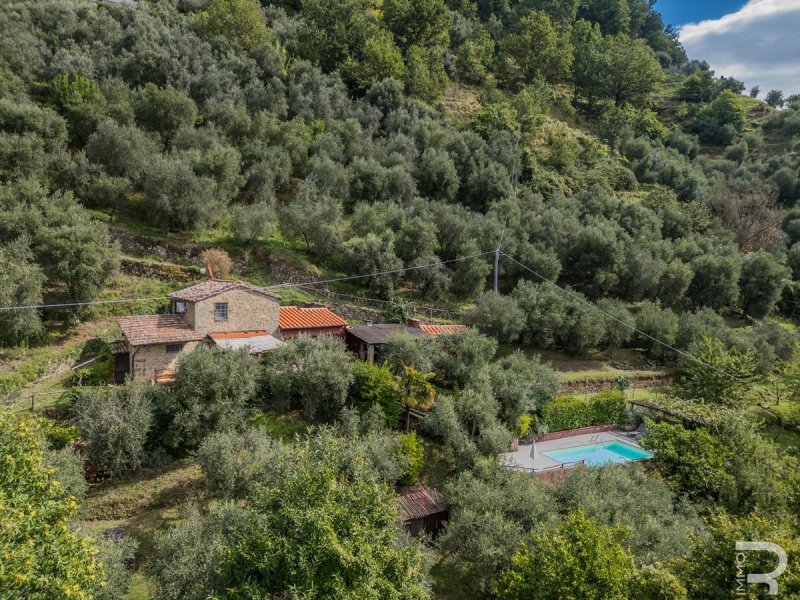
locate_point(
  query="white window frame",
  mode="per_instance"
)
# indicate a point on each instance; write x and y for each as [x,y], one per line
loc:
[219,307]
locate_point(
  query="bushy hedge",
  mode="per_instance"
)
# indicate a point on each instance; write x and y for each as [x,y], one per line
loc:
[570,412]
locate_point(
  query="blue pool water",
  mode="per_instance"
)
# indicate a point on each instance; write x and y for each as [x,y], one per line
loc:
[599,454]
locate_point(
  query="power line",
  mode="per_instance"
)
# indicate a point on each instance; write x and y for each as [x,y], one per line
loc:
[378,273]
[70,304]
[593,306]
[278,286]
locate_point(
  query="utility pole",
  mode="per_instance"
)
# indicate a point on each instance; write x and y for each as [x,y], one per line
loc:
[496,268]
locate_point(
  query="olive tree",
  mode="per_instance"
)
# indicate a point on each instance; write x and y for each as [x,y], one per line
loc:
[116,422]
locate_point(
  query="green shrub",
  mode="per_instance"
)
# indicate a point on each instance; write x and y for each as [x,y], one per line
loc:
[411,447]
[570,412]
[609,407]
[59,436]
[567,412]
[233,461]
[374,385]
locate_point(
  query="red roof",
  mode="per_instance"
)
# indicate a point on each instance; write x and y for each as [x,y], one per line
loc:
[443,329]
[157,329]
[212,287]
[420,504]
[295,317]
[234,335]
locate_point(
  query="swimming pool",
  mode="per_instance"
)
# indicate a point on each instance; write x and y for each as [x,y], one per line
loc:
[604,453]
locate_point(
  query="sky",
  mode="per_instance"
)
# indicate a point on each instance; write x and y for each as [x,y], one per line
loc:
[755,41]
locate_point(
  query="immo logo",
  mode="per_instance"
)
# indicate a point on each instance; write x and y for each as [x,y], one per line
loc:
[743,578]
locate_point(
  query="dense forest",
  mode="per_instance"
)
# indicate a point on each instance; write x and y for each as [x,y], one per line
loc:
[641,201]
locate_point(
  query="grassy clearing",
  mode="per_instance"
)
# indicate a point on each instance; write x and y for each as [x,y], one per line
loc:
[284,426]
[142,504]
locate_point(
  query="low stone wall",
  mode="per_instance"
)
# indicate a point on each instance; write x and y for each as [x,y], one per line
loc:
[555,475]
[557,435]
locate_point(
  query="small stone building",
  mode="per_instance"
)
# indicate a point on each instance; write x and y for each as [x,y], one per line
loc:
[220,312]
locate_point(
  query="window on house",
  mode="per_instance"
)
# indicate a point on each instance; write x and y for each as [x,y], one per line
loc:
[220,311]
[174,348]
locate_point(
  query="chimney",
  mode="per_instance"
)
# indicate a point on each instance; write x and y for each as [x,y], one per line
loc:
[369,322]
[415,323]
[210,271]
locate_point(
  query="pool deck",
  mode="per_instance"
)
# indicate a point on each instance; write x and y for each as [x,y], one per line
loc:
[523,459]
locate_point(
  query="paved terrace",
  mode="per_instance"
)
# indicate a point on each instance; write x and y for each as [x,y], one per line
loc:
[524,456]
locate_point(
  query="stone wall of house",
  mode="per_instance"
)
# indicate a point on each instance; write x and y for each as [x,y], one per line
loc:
[146,360]
[247,311]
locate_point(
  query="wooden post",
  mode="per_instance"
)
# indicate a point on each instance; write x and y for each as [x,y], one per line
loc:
[33,401]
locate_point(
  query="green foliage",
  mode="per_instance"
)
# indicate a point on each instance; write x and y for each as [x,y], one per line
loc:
[381,59]
[536,51]
[319,487]
[21,282]
[720,121]
[571,412]
[491,511]
[709,571]
[423,23]
[240,21]
[165,111]
[651,582]
[213,389]
[580,559]
[373,254]
[68,466]
[761,284]
[498,316]
[252,221]
[67,90]
[521,384]
[694,460]
[115,556]
[411,447]
[315,218]
[462,354]
[426,77]
[309,373]
[660,529]
[42,555]
[613,67]
[659,323]
[233,461]
[719,375]
[374,385]
[116,422]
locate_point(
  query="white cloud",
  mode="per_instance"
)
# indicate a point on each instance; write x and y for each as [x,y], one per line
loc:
[759,44]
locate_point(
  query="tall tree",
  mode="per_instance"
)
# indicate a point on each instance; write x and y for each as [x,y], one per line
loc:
[424,23]
[21,282]
[536,51]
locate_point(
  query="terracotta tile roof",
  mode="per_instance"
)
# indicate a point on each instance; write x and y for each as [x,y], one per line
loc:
[212,287]
[157,329]
[296,317]
[420,504]
[443,329]
[233,335]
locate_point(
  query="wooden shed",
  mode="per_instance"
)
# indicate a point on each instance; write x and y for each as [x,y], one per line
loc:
[423,512]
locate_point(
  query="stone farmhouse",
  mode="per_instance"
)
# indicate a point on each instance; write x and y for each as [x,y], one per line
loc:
[225,313]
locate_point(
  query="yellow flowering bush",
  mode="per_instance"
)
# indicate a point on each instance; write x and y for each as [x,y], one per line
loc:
[41,557]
